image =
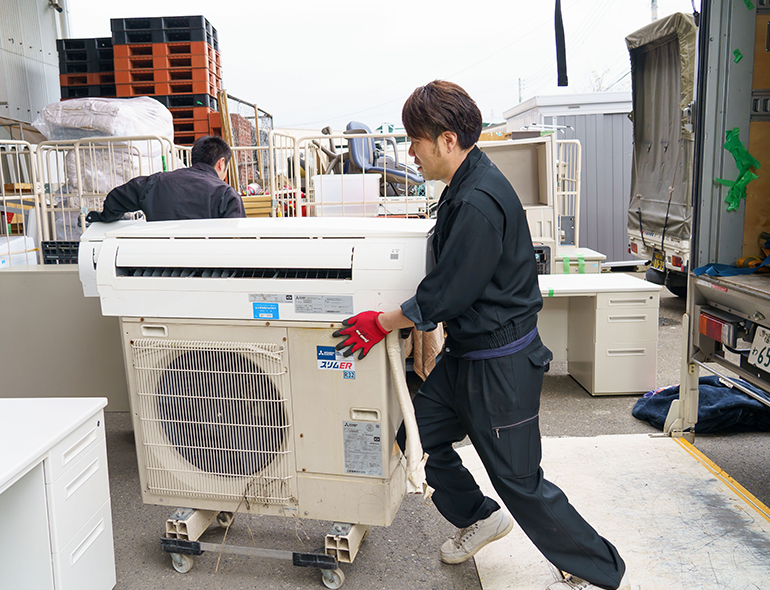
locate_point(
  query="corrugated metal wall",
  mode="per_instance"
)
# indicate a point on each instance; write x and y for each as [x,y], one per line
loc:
[605,179]
[29,63]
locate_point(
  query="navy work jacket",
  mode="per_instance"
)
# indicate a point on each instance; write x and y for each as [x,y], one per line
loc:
[484,284]
[187,193]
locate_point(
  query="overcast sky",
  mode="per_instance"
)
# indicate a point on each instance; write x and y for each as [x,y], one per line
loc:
[312,64]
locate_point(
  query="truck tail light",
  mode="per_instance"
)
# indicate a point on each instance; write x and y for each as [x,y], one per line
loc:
[717,329]
[676,261]
[633,248]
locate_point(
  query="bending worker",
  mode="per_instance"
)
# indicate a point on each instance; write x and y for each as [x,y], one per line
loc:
[197,192]
[487,384]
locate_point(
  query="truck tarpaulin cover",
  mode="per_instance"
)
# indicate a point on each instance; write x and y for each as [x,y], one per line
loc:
[662,78]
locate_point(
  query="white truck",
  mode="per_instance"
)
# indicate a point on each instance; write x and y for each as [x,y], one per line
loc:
[727,324]
[663,57]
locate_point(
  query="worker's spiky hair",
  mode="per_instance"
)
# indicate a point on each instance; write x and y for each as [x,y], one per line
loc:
[209,149]
[442,106]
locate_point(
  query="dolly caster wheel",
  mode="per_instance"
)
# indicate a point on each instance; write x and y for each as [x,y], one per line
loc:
[181,562]
[332,578]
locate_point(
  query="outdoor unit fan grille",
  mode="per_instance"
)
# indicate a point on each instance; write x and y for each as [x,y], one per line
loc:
[215,419]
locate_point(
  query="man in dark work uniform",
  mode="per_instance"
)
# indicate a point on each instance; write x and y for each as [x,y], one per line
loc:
[487,384]
[197,192]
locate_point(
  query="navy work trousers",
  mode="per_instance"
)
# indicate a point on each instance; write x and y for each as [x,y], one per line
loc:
[495,402]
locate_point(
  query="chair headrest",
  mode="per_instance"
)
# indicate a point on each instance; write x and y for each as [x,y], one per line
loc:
[358,125]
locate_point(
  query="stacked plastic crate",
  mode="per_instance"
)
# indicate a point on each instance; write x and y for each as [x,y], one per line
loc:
[176,61]
[86,67]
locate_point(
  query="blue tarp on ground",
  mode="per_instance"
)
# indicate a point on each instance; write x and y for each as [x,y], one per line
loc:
[719,407]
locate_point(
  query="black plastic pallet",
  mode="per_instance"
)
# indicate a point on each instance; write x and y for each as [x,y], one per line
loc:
[163,23]
[85,56]
[163,36]
[86,67]
[176,101]
[83,44]
[105,90]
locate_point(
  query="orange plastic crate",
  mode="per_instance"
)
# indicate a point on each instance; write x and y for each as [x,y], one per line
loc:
[198,127]
[140,76]
[165,62]
[184,138]
[88,79]
[167,49]
[195,113]
[167,88]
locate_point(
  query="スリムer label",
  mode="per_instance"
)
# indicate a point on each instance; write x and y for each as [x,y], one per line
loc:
[329,359]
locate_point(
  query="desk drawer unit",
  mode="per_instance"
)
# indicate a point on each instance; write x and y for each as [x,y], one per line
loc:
[77,494]
[87,562]
[613,342]
[66,453]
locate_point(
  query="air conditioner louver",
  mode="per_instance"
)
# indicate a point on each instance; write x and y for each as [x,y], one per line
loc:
[237,273]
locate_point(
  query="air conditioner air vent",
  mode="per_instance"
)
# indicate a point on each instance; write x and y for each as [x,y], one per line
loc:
[237,273]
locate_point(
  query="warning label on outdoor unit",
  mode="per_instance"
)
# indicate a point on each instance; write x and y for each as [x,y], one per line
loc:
[363,448]
[337,304]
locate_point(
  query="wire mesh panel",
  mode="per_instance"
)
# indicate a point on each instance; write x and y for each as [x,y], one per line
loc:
[20,232]
[215,420]
[253,182]
[77,175]
[352,174]
[284,188]
[249,127]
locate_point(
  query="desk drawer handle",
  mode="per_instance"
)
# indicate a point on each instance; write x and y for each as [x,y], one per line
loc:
[82,478]
[627,318]
[627,352]
[87,542]
[78,447]
[627,302]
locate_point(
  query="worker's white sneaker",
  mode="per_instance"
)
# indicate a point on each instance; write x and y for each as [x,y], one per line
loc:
[465,543]
[565,581]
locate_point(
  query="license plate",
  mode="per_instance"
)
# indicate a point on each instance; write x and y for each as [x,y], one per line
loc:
[760,349]
[659,260]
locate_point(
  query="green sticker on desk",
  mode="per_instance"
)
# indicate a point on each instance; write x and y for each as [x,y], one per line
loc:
[581,264]
[566,265]
[550,292]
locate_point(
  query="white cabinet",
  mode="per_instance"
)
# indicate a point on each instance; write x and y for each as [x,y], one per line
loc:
[612,342]
[606,327]
[54,495]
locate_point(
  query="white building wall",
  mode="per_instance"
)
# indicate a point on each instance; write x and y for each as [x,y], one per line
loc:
[29,62]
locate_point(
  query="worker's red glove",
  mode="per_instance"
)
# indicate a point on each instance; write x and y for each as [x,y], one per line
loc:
[363,331]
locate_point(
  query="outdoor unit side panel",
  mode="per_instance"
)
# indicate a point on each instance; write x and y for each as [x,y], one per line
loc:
[178,464]
[358,501]
[324,398]
[345,421]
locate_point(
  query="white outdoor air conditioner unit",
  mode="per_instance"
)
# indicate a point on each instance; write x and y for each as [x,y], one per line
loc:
[239,400]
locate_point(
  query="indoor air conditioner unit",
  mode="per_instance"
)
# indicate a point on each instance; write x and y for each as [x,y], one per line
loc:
[239,400]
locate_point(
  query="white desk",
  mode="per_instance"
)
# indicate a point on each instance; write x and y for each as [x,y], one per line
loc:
[54,495]
[605,326]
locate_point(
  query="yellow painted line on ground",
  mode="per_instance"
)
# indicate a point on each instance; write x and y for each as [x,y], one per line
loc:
[721,474]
